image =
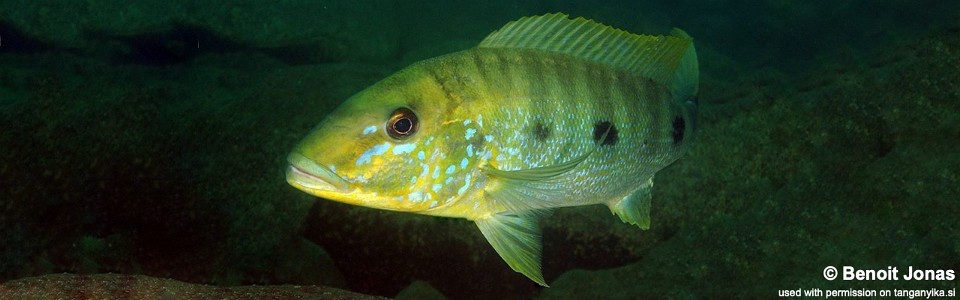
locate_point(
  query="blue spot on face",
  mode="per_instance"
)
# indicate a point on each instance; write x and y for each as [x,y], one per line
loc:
[426,170]
[466,122]
[463,163]
[421,155]
[404,149]
[373,151]
[469,134]
[450,169]
[370,129]
[466,184]
[470,150]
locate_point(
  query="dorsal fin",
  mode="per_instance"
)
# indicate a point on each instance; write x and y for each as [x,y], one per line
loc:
[654,57]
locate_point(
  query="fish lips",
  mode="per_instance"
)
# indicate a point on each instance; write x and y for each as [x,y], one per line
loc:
[304,172]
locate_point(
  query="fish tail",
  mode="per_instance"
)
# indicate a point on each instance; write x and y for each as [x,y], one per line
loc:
[686,82]
[686,79]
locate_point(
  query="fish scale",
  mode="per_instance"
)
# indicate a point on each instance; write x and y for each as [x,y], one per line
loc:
[546,112]
[628,102]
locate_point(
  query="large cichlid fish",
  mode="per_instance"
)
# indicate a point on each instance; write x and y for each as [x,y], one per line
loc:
[546,112]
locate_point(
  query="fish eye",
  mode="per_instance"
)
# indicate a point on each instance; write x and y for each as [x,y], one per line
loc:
[402,124]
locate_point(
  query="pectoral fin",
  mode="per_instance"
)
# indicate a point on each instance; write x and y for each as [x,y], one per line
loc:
[635,208]
[517,239]
[544,173]
[530,189]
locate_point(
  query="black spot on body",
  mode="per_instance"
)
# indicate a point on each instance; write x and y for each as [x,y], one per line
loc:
[678,129]
[605,127]
[540,132]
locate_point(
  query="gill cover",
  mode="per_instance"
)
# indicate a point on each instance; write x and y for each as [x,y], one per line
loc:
[364,152]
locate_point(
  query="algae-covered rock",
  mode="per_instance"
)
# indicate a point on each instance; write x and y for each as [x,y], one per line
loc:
[333,29]
[116,286]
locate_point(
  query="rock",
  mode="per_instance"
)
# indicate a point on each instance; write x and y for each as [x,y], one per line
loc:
[420,290]
[116,286]
[303,262]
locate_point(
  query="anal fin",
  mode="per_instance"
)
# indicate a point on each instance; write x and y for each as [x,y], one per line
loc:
[517,239]
[635,208]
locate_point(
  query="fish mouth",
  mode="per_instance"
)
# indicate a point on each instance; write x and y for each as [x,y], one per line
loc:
[304,172]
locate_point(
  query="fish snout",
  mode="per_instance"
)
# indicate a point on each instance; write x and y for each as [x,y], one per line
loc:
[307,175]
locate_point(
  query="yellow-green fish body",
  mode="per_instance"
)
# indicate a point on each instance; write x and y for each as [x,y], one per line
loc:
[547,112]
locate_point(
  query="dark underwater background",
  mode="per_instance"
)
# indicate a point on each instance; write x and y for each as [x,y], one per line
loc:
[147,140]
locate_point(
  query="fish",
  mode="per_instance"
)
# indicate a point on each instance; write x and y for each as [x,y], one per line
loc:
[546,112]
